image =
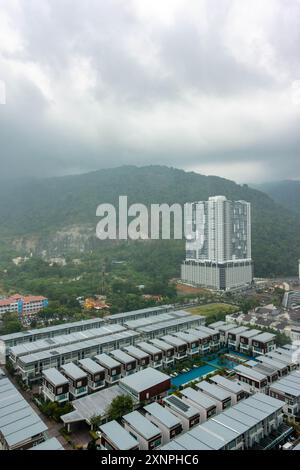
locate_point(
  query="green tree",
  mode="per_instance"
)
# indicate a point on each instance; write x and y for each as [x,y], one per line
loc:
[120,406]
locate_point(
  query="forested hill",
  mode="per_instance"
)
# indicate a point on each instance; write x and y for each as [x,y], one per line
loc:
[286,193]
[41,207]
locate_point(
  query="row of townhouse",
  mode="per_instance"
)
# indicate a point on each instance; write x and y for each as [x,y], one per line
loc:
[172,416]
[20,427]
[244,426]
[255,422]
[145,386]
[14,339]
[241,338]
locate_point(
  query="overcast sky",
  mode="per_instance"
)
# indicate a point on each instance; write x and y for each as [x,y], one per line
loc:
[211,86]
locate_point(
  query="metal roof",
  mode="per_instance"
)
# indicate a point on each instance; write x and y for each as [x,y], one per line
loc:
[50,329]
[18,421]
[142,425]
[201,399]
[227,384]
[250,372]
[213,390]
[137,312]
[272,362]
[55,377]
[144,379]
[49,444]
[188,442]
[192,319]
[279,357]
[161,413]
[122,356]
[118,435]
[199,333]
[218,429]
[187,336]
[239,330]
[136,352]
[216,324]
[174,341]
[149,348]
[73,371]
[205,437]
[161,344]
[264,337]
[107,361]
[133,324]
[63,340]
[79,346]
[181,406]
[250,333]
[91,366]
[172,445]
[207,329]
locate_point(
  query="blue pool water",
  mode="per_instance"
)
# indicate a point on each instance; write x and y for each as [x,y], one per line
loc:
[199,372]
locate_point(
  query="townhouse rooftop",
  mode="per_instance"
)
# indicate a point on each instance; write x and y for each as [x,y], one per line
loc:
[91,366]
[227,384]
[177,322]
[213,390]
[162,414]
[135,352]
[49,444]
[118,436]
[73,371]
[149,348]
[181,406]
[174,340]
[250,372]
[141,425]
[159,343]
[144,379]
[250,333]
[107,361]
[122,356]
[198,397]
[55,377]
[264,337]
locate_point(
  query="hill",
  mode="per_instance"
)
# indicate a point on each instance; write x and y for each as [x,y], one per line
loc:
[58,214]
[286,193]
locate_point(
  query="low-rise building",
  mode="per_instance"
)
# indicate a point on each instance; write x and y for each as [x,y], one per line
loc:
[266,369]
[288,360]
[169,425]
[115,437]
[49,444]
[214,336]
[206,406]
[204,339]
[255,381]
[221,396]
[236,391]
[146,385]
[156,354]
[145,432]
[180,346]
[263,343]
[20,426]
[191,340]
[245,340]
[167,349]
[128,363]
[188,415]
[55,386]
[287,389]
[78,380]
[281,368]
[95,373]
[142,358]
[233,339]
[179,323]
[223,328]
[112,368]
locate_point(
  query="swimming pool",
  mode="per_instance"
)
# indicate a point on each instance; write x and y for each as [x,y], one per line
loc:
[199,372]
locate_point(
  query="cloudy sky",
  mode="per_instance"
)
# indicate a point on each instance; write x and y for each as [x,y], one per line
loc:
[211,86]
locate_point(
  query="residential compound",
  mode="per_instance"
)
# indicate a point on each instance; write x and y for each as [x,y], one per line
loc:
[24,306]
[218,246]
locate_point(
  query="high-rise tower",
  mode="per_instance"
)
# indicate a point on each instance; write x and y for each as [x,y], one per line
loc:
[218,245]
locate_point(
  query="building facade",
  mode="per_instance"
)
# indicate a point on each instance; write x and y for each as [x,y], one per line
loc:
[218,246]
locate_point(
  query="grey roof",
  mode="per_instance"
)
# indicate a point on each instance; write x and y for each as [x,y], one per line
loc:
[172,445]
[118,435]
[181,406]
[90,366]
[250,372]
[136,352]
[122,356]
[250,333]
[218,429]
[272,362]
[18,421]
[264,337]
[213,441]
[63,340]
[79,346]
[213,390]
[95,404]
[159,343]
[239,330]
[139,312]
[227,327]
[73,371]
[280,357]
[142,425]
[133,324]
[49,444]
[227,384]
[50,329]
[55,377]
[289,384]
[188,442]
[107,361]
[149,348]
[163,415]
[216,324]
[199,398]
[174,341]
[144,379]
[192,319]
[207,329]
[186,336]
[199,333]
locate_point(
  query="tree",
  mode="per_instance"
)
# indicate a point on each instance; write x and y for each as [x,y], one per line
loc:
[95,421]
[120,406]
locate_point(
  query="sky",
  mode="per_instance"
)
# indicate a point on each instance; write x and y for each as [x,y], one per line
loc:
[211,86]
